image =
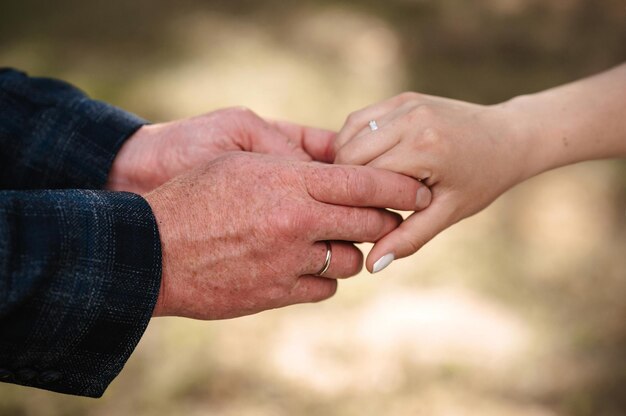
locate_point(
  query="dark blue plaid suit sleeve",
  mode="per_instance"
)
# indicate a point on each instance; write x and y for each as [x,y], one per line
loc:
[53,136]
[80,269]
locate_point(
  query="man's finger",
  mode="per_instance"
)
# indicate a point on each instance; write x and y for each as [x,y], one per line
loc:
[313,289]
[268,140]
[418,166]
[317,143]
[362,186]
[254,134]
[345,260]
[360,225]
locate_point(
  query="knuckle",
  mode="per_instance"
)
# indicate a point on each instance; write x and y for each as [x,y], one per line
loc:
[289,223]
[240,112]
[411,242]
[358,186]
[372,222]
[325,290]
[430,139]
[423,112]
[413,245]
[409,96]
[431,136]
[276,295]
[314,180]
[355,262]
[375,223]
[434,138]
[277,222]
[354,118]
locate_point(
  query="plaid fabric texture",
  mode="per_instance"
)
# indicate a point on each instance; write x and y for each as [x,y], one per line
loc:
[80,270]
[53,136]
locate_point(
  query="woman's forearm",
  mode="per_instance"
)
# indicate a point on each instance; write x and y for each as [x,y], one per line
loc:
[470,154]
[581,121]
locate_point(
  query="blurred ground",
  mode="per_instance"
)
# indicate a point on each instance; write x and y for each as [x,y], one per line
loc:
[520,310]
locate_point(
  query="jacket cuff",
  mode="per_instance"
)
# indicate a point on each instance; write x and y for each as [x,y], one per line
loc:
[55,137]
[84,273]
[97,136]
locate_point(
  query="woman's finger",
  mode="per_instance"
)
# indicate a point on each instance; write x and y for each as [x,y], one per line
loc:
[410,236]
[368,146]
[359,120]
[416,165]
[317,143]
[388,118]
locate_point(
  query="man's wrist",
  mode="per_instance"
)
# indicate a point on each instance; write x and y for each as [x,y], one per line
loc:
[130,171]
[161,208]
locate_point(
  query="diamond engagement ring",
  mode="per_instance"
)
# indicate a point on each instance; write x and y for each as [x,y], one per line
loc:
[373,125]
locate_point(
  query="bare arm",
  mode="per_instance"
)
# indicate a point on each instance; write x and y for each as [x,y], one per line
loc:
[470,154]
[580,121]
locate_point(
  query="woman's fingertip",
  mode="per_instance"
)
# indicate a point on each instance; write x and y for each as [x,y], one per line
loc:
[383,262]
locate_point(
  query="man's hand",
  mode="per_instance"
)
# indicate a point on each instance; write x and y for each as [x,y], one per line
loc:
[160,152]
[245,232]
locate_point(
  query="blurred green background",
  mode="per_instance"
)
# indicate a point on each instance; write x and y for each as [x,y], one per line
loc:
[520,310]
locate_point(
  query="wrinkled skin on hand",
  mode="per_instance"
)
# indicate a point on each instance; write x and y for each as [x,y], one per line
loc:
[157,153]
[244,233]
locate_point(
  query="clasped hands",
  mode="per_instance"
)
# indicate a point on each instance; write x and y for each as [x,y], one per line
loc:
[244,205]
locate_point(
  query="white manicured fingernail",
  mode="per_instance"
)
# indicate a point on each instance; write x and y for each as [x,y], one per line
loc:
[422,200]
[383,262]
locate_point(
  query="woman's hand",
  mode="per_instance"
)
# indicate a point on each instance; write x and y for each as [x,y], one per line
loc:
[467,154]
[470,154]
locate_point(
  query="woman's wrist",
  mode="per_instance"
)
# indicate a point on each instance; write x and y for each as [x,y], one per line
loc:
[529,134]
[579,121]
